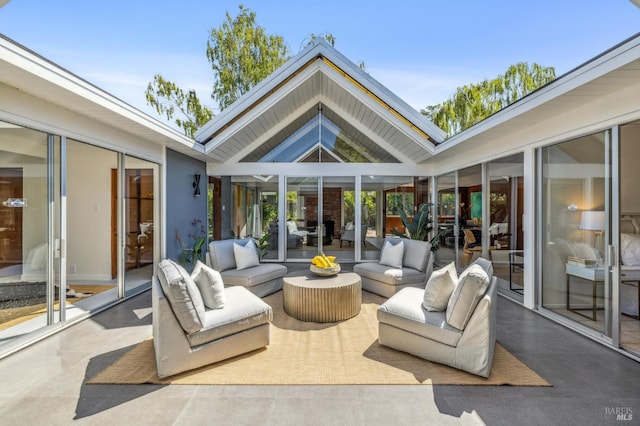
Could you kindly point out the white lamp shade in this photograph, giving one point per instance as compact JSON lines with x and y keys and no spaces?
{"x":592,"y":220}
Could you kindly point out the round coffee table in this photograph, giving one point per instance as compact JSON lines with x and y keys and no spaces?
{"x":312,"y":298}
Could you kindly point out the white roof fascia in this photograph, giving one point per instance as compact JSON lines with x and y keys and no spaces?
{"x":320,"y":47}
{"x":404,"y":109}
{"x":36,"y":65}
{"x":238,"y":125}
{"x":313,"y":169}
{"x":382,"y":112}
{"x":258,"y":91}
{"x":599,"y":66}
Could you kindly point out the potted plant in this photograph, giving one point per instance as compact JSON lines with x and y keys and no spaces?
{"x":420,"y":226}
{"x":190,"y":254}
{"x":262,"y":243}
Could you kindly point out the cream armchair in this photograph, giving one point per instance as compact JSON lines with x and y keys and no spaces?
{"x":261,"y":279}
{"x":413,"y":271}
{"x":350,"y":235}
{"x":188,"y":335}
{"x":463,"y":335}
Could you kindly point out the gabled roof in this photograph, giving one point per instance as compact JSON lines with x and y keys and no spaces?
{"x":320,"y":77}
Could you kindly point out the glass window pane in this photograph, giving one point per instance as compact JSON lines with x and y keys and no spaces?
{"x":574,"y":183}
{"x":255,"y":212}
{"x":92,"y":262}
{"x":320,"y":135}
{"x":24,"y":245}
{"x":301,"y":216}
{"x":506,"y":209}
{"x":140,"y":222}
{"x":447,"y":213}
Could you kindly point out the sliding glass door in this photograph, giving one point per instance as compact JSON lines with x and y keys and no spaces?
{"x":575,"y":231}
{"x":301,"y":217}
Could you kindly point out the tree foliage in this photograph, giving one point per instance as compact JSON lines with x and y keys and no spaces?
{"x":166,"y":97}
{"x":473,"y":103}
{"x":241,"y":55}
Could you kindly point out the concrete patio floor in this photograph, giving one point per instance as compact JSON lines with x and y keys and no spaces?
{"x":44,"y":384}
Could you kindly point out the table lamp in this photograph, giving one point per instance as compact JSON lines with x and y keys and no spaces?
{"x":593,"y":220}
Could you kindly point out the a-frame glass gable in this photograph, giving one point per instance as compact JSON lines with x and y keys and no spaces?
{"x":324,"y":137}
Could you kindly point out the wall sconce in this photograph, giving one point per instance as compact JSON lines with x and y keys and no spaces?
{"x":196,"y":185}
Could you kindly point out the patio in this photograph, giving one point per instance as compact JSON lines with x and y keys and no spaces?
{"x":45,"y":384}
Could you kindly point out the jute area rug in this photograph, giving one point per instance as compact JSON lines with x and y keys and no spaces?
{"x":346,"y":352}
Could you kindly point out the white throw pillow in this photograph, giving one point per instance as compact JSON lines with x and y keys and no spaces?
{"x":183,"y":295}
{"x":392,"y":254}
{"x":630,"y":249}
{"x":348,"y":226}
{"x":210,"y":284}
{"x":246,"y":256}
{"x":291,"y":226}
{"x":438,"y":291}
{"x":472,"y":285}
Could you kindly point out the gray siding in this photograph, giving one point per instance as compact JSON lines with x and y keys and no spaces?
{"x":183,"y":208}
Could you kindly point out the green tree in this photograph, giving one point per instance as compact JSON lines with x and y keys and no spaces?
{"x":166,"y":97}
{"x":241,"y":55}
{"x":473,"y":103}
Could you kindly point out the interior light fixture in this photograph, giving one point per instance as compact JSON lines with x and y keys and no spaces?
{"x":196,"y":185}
{"x":593,"y":220}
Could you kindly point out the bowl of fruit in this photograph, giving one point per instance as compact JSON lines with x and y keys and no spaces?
{"x":324,"y":265}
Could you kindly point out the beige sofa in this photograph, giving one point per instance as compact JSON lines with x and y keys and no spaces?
{"x":405,"y":324}
{"x":186,"y":335}
{"x":262,"y":279}
{"x":417,"y":265}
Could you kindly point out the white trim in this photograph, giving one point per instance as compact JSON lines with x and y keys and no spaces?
{"x":315,"y":169}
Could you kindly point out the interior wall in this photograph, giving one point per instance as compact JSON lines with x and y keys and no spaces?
{"x":89,"y":211}
{"x":629,"y":155}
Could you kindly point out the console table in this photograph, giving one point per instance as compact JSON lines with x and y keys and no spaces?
{"x":595,"y":275}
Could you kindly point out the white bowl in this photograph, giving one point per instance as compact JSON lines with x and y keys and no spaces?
{"x":324,"y":272}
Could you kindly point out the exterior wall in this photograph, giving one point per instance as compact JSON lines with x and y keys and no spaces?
{"x":182,"y":207}
{"x":30,"y":111}
{"x":574,"y":120}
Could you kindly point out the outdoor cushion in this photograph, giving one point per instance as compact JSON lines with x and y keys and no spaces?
{"x":402,"y":311}
{"x":438,"y":291}
{"x":392,"y":254}
{"x":472,"y":285}
{"x":183,"y":295}
{"x":243,"y":311}
{"x":486,"y":265}
{"x":416,"y":253}
{"x":255,"y":275}
{"x":246,"y":255}
{"x":221,"y":255}
{"x":209,"y":282}
{"x":388,"y":275}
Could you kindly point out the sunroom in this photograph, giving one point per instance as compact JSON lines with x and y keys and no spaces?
{"x":321,"y":151}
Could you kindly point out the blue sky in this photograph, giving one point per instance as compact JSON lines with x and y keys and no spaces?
{"x":422,"y":50}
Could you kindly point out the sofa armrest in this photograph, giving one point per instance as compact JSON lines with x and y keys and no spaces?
{"x":169,"y":340}
{"x":478,"y":340}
